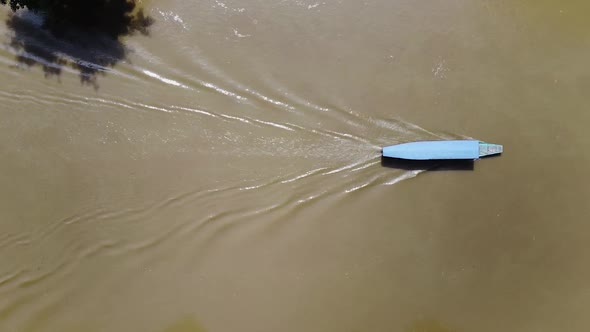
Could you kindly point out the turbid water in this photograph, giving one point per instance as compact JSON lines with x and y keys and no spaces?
{"x":224,"y":172}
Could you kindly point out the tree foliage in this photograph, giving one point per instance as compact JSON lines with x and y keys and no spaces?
{"x":111,"y":17}
{"x":80,"y":34}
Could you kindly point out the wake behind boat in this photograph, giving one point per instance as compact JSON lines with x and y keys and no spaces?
{"x":442,"y":150}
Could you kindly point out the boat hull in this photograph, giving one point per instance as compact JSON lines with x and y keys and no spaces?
{"x":442,"y":150}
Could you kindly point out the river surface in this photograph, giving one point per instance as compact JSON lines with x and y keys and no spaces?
{"x":225,"y":174}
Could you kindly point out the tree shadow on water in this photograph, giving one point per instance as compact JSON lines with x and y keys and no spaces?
{"x":88,"y":43}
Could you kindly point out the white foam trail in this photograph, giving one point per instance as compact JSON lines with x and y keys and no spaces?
{"x":352,"y":137}
{"x":273,"y":83}
{"x":155,"y":108}
{"x":343,"y":168}
{"x":89,"y":65}
{"x":222,"y":91}
{"x":274,"y":125}
{"x":306,"y":174}
{"x":146,"y":54}
{"x":361,"y":186}
{"x":106,"y":101}
{"x":234,"y":118}
{"x":389,"y":125}
{"x":45,"y":62}
{"x":309,"y":198}
{"x":163,"y":79}
{"x":413,"y":126}
{"x":365,"y":166}
{"x":252,"y":187}
{"x":356,"y":188}
{"x":194,"y":110}
{"x":404,"y":176}
{"x":270,"y":100}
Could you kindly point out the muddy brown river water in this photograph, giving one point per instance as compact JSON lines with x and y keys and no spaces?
{"x":225,"y":173}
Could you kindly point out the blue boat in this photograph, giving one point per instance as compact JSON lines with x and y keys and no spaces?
{"x":442,"y":150}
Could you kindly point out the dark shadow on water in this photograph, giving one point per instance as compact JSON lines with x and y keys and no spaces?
{"x":430,"y":165}
{"x":88,"y":49}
